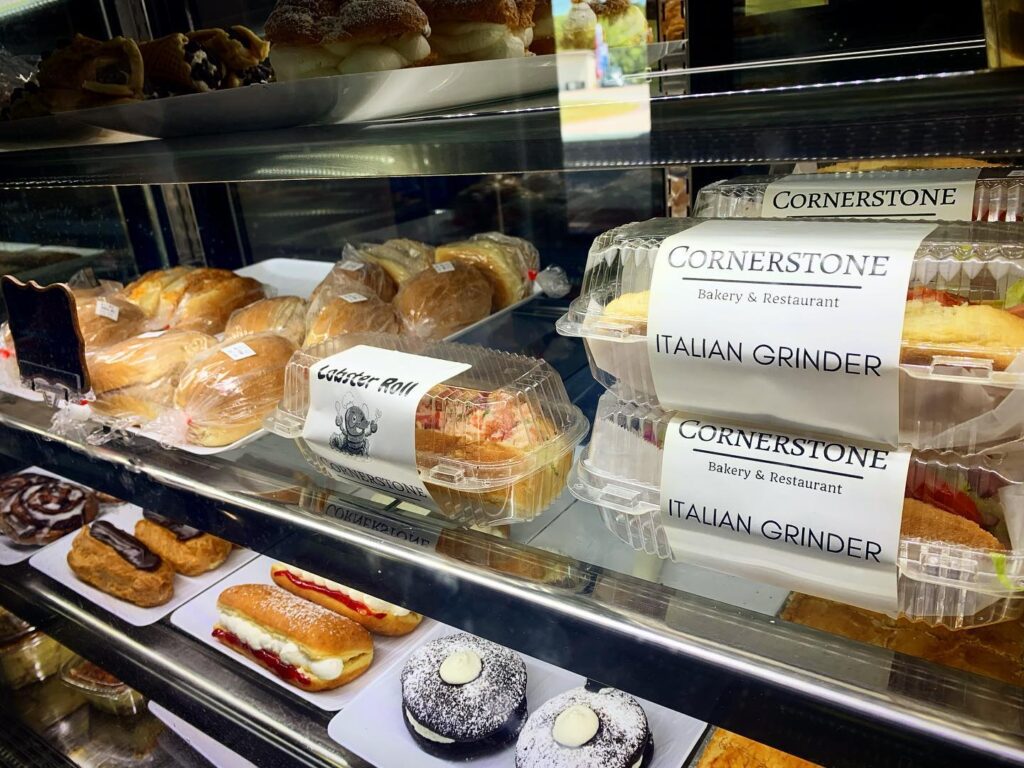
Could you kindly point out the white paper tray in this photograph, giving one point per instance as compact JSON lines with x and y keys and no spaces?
{"x":374,"y":726}
{"x":216,"y":753}
{"x":53,"y":561}
{"x":198,"y":617}
{"x":11,"y":553}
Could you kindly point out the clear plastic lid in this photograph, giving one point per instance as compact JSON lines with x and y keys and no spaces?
{"x":493,"y":443}
{"x":960,"y":373}
{"x":101,"y":688}
{"x":961,"y":557}
{"x":998,"y":193}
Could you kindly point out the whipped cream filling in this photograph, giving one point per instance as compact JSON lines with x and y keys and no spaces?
{"x":425,"y":732}
{"x":295,"y":62}
{"x":376,"y":605}
{"x":477,"y":41}
{"x":257,"y":638}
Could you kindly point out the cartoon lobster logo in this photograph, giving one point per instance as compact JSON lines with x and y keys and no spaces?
{"x":354,"y":429}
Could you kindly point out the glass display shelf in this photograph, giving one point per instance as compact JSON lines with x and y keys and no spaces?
{"x":974,"y":113}
{"x":565,"y":581}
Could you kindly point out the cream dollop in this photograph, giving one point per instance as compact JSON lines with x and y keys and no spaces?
{"x":460,"y":668}
{"x":575,"y":726}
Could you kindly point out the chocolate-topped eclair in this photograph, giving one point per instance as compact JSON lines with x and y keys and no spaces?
{"x":38,"y":509}
{"x":115,"y":562}
{"x":189,"y":550}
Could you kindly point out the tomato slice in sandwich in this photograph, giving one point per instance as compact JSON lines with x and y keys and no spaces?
{"x":945,"y":298}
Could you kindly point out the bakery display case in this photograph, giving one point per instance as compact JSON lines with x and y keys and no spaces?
{"x":557,"y":383}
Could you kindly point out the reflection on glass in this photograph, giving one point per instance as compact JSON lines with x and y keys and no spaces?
{"x":1004,"y":32}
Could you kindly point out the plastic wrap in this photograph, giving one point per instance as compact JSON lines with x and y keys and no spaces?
{"x":106,"y":320}
{"x":28,"y":656}
{"x":209,"y":299}
{"x":353,"y":269}
{"x":284,"y":315}
{"x":441,"y":301}
{"x":493,"y":444}
{"x":963,"y":393}
{"x":509,"y":263}
{"x":134,"y":381}
{"x":101,"y":689}
{"x":998,"y":196}
{"x":358,"y":310}
{"x":227,"y":391}
{"x":146,"y":291}
{"x":401,"y":259}
{"x":9,"y":375}
{"x":939,"y":582}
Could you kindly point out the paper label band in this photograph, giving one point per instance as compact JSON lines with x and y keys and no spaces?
{"x":362,"y":415}
{"x":784,"y":322}
{"x":811,"y":515}
{"x":933,"y":195}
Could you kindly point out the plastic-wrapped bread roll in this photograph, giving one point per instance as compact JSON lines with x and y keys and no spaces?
{"x":208,"y":298}
{"x":507,"y":262}
{"x":401,"y":259}
{"x":106,"y":320}
{"x":284,"y":315}
{"x":145,"y":292}
{"x":320,"y":38}
{"x":353,"y":269}
{"x":136,"y":378}
{"x":354,"y":311}
{"x":444,"y":299}
{"x":226,"y":392}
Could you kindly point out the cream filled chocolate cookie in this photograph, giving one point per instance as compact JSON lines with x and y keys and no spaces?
{"x":38,"y":509}
{"x":478,"y":30}
{"x":117,"y":563}
{"x":302,"y":643}
{"x":463,"y":696}
{"x":319,"y":38}
{"x":586,"y":728}
{"x":190,"y":551}
{"x":378,"y":616}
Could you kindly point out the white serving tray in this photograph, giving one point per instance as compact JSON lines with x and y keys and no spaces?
{"x":53,"y":561}
{"x":216,"y":753}
{"x":11,"y":553}
{"x":198,"y":617}
{"x":374,"y":726}
{"x":289,"y":277}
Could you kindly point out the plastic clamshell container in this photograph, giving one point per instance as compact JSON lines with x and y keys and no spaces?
{"x":998,"y":196}
{"x":101,"y":690}
{"x":940,"y":583}
{"x":28,"y":656}
{"x":947,"y":401}
{"x":506,"y":428}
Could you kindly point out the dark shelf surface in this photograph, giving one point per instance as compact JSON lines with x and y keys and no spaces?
{"x":975,"y":114}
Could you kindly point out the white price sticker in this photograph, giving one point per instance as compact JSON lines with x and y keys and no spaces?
{"x":810,"y":515}
{"x":239,"y":351}
{"x":795,"y":323}
{"x":444,"y":266}
{"x":351,"y":265}
{"x":930,"y":195}
{"x":152,"y":334}
{"x":353,"y":298}
{"x":105,"y":309}
{"x":362,"y":415}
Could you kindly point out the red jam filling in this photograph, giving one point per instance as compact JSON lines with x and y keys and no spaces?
{"x":341,"y":597}
{"x":268,"y":659}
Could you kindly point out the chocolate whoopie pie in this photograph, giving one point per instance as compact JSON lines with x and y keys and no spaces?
{"x":463,"y":696}
{"x":584,"y":728}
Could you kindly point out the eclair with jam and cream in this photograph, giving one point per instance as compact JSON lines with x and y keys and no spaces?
{"x":301,"y":642}
{"x":378,"y":616}
{"x":320,"y":38}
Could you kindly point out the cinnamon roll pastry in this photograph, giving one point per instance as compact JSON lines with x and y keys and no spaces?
{"x":470,"y":30}
{"x":37,"y":509}
{"x":319,"y":38}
